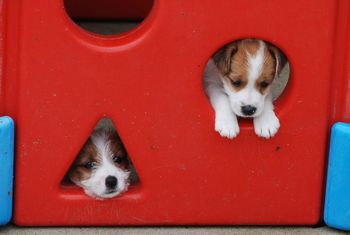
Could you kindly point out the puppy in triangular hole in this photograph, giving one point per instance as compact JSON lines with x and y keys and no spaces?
{"x":102,"y":167}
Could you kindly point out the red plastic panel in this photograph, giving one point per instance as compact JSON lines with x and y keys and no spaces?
{"x":2,"y":42}
{"x":341,"y":68}
{"x":61,"y":80}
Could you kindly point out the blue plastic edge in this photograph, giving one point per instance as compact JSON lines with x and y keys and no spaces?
{"x":337,"y":199}
{"x":6,"y":168}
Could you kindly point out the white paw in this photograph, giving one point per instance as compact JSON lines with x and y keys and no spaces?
{"x":227,"y":126}
{"x":266,"y":126}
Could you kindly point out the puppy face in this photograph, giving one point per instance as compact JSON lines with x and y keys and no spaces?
{"x":248,"y":68}
{"x":101,"y":167}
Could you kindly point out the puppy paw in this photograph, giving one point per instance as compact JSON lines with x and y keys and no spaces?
{"x":227,"y":126}
{"x":266,"y":126}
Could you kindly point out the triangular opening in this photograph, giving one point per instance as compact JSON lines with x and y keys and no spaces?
{"x":102,"y":167}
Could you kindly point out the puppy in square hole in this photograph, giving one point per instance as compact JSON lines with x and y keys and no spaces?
{"x":237,"y":81}
{"x":102,"y":168}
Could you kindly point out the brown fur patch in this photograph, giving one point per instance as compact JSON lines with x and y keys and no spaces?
{"x":238,"y":69}
{"x":268,"y":72}
{"x":78,"y":171}
{"x":250,"y":45}
{"x":118,"y":150}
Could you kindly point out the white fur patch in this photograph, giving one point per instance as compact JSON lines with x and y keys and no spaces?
{"x":255,"y":63}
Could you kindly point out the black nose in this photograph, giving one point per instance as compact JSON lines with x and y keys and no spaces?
{"x":248,"y":110}
{"x":111,"y":182}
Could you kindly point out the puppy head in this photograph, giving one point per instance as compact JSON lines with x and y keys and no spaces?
{"x":101,"y":167}
{"x":248,"y":68}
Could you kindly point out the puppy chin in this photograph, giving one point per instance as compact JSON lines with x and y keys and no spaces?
{"x":106,"y":194}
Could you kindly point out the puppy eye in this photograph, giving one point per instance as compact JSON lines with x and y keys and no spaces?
{"x":264,"y":84}
{"x":237,"y":83}
{"x":117,"y":159}
{"x":90,"y":165}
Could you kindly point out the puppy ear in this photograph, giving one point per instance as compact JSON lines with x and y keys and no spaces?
{"x":223,"y":57}
{"x":279,"y":58}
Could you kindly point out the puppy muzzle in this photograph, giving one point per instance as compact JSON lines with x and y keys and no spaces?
{"x":248,"y":110}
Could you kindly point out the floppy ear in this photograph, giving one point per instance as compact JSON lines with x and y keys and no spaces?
{"x":279,"y":58}
{"x":223,"y":57}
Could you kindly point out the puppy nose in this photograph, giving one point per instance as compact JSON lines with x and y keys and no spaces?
{"x":248,"y":110}
{"x":111,"y":182}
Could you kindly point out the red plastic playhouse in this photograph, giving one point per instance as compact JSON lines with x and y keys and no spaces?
{"x":58,"y":80}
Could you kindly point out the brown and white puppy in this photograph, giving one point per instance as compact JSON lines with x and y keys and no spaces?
{"x":237,"y":81}
{"x":102,"y":167}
